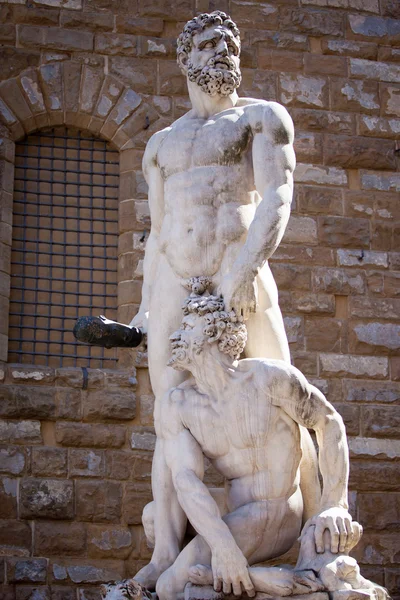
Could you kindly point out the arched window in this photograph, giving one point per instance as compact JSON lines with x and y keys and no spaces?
{"x":64,"y":247}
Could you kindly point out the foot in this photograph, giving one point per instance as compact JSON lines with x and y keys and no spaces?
{"x":201,"y":575}
{"x":148,"y":576}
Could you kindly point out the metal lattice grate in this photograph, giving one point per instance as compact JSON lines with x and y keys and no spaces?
{"x":64,"y":248}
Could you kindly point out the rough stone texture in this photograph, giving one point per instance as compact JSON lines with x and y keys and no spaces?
{"x":335,"y":65}
{"x":47,"y":498}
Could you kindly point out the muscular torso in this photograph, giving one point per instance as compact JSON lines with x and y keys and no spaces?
{"x":209,"y":191}
{"x":254,"y":444}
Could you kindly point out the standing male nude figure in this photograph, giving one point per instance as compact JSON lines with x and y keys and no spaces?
{"x":220,"y":187}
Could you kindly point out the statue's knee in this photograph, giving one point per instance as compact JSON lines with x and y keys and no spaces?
{"x":148,"y":523}
{"x":165,"y":587}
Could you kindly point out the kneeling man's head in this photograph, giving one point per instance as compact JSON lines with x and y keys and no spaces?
{"x":208,"y":53}
{"x":205,"y":323}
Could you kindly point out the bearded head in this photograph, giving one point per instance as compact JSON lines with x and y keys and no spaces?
{"x":208,"y":53}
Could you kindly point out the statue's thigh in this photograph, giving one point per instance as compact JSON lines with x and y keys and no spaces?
{"x":265,"y":328}
{"x":165,"y":315}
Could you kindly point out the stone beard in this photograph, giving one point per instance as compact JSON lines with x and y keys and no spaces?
{"x":219,"y":76}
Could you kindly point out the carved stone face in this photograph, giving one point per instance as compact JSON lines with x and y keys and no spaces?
{"x":214,"y":62}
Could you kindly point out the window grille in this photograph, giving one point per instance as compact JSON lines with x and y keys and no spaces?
{"x":64,"y":248}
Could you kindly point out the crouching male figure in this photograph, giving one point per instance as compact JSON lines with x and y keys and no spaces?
{"x":245,"y":416}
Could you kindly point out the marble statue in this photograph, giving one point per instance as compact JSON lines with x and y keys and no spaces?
{"x":244,"y":416}
{"x":220,"y":186}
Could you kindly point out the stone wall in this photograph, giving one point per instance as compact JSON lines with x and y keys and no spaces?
{"x":76,"y":445}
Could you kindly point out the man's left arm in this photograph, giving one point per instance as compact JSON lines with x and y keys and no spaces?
{"x":306,"y":405}
{"x":273,"y":165}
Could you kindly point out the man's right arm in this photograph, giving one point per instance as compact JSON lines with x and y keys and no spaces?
{"x":185,"y":458}
{"x":155,"y":182}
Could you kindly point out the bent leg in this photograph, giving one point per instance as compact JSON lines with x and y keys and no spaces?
{"x":253,"y":526}
{"x":169,"y":520}
{"x":265,"y":328}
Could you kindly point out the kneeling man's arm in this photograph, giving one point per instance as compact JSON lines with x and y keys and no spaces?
{"x":309,"y":407}
{"x":185,"y":459}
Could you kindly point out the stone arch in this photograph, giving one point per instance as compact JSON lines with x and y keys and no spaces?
{"x":84,"y":97}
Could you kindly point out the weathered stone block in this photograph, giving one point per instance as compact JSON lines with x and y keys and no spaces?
{"x":92,"y":80}
{"x":359,"y":152}
{"x":312,"y":21}
{"x":375,"y":308}
{"x":110,"y":404}
{"x":47,"y":498}
{"x":377,"y":549}
{"x":128,"y":465}
{"x":299,"y":90}
{"x":27,"y":570}
{"x":378,"y":127}
{"x":22,"y":432}
{"x":359,"y":96}
{"x":369,"y":476}
{"x":70,"y":4}
{"x":8,"y":498}
{"x":338,"y":281}
{"x":135,"y":72}
{"x":92,"y":435}
{"x":371,"y":392}
{"x":139,"y":26}
{"x":379,"y":71}
{"x":65,"y":539}
{"x":94,"y":20}
{"x":344,"y":232}
{"x":12,"y":460}
{"x":68,"y":403}
{"x":98,"y":501}
{"x":338,"y":365}
{"x":49,"y":461}
{"x":350,"y":48}
{"x":306,"y":173}
{"x":255,"y":84}
{"x":54,"y":37}
{"x":362,"y":258}
{"x":390,"y":96}
{"x":86,"y":463}
{"x":326,"y":335}
{"x":135,"y":498}
{"x":385,"y":182}
{"x":313,"y":303}
{"x":308,"y":147}
{"x":301,"y":230}
{"x":375,"y":337}
{"x":183,"y":9}
{"x":109,"y":541}
{"x":382,"y":421}
{"x":374,"y":27}
{"x":27,"y":402}
{"x":143,"y":440}
{"x":374,"y":448}
{"x":317,"y":200}
{"x":351,"y":417}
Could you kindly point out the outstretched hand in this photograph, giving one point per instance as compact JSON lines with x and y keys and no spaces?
{"x":338,"y":522}
{"x":239,"y":293}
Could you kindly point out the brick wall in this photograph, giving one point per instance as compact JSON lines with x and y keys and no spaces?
{"x":76,"y":447}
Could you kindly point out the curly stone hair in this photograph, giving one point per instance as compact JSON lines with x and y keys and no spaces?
{"x":220,"y":326}
{"x":198,"y":24}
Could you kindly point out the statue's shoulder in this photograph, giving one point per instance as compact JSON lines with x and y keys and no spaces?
{"x":268,"y":117}
{"x":154,"y":142}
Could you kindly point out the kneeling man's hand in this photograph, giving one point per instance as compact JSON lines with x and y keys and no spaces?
{"x":230,"y":572}
{"x":338,"y":522}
